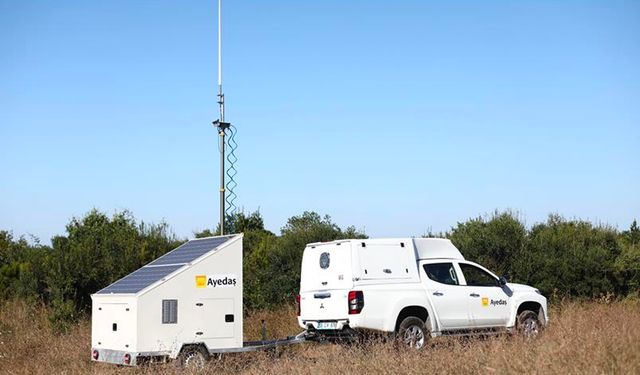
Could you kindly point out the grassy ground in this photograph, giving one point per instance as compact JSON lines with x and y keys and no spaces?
{"x":584,"y":338}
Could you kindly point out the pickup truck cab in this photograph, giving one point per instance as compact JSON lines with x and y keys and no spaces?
{"x":415,"y":288}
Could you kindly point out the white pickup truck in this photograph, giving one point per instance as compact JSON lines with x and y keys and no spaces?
{"x":414,"y":287}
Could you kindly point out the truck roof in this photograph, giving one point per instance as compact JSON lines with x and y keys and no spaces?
{"x":425,"y":248}
{"x":430,"y":248}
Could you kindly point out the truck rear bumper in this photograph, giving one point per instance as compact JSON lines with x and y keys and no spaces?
{"x":325,"y":325}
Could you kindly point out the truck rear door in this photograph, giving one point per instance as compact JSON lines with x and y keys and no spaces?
{"x":325,"y":281}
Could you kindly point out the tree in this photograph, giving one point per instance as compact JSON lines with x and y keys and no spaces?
{"x":22,"y":267}
{"x":571,"y":258}
{"x":272,"y":274}
{"x":238,"y":222}
{"x":496,"y":242}
{"x":99,"y":250}
{"x":627,"y":264}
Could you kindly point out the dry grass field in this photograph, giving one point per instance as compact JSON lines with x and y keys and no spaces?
{"x":600,"y":337}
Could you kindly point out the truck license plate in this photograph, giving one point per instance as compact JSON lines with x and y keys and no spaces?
{"x":327,"y":325}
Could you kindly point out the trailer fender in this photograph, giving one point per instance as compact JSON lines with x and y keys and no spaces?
{"x":175,"y":352}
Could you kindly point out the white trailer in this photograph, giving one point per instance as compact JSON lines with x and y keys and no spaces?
{"x":189,"y":296}
{"x":187,"y":304}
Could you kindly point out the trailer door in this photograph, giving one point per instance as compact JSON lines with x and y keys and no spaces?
{"x":215,"y":318}
{"x":113,"y":326}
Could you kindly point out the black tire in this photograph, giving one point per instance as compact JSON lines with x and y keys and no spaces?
{"x":193,"y":358}
{"x":529,"y":324}
{"x":412,"y":333}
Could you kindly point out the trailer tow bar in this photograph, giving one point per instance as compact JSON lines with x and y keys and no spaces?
{"x":251,"y":346}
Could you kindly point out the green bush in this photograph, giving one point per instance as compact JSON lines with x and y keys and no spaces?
{"x":627,"y":265}
{"x":567,"y":258}
{"x":496,"y":242}
{"x":571,"y":258}
{"x":562,"y":257}
{"x":272,"y":270}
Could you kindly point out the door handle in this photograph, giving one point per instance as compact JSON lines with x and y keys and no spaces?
{"x":438,"y":294}
{"x":474,"y":295}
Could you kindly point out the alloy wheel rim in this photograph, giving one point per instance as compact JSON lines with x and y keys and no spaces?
{"x":414,"y":337}
{"x":530,"y":327}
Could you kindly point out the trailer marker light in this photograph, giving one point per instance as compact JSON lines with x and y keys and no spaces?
{"x":127,"y":358}
{"x":298,"y":304}
{"x":95,"y":354}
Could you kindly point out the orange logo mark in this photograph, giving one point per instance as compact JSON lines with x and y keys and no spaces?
{"x":201,"y":281}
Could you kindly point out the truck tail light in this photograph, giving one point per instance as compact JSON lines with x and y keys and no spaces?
{"x":298,"y":304}
{"x":127,"y":358}
{"x":95,"y":354}
{"x":356,"y":302}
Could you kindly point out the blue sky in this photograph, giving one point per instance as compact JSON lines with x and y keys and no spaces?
{"x":396,"y":117}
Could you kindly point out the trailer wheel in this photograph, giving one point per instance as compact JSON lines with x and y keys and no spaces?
{"x":412,"y":333}
{"x":193,"y":357}
{"x":529,"y":324}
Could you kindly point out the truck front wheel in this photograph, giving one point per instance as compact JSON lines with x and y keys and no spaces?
{"x":412,"y":333}
{"x":529,"y":324}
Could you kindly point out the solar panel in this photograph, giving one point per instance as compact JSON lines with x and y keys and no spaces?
{"x":140,"y":279}
{"x":166,"y":264}
{"x":190,"y":251}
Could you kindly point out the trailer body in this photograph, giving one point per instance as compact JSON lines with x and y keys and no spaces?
{"x":189,"y":296}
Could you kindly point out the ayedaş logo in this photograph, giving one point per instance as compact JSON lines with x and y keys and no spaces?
{"x":216,"y":281}
{"x":486,"y":302}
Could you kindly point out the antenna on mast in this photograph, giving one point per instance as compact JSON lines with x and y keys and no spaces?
{"x":221,"y":124}
{"x":220,"y":94}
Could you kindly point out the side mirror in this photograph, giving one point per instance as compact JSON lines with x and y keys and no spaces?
{"x":502,"y":281}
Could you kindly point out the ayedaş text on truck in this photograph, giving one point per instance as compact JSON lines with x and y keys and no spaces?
{"x":415,"y":288}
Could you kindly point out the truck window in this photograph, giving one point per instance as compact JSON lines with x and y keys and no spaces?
{"x":477,"y":277}
{"x":443,"y":273}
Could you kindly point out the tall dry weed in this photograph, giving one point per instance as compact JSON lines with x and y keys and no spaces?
{"x":599,"y":337}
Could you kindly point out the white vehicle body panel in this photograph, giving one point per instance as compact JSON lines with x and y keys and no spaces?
{"x":211,"y":315}
{"x":485,"y":303}
{"x":450,"y":302}
{"x":392,"y":276}
{"x":118,"y":332}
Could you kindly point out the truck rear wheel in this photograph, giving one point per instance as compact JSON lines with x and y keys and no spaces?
{"x":529,"y":324}
{"x":412,"y":333}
